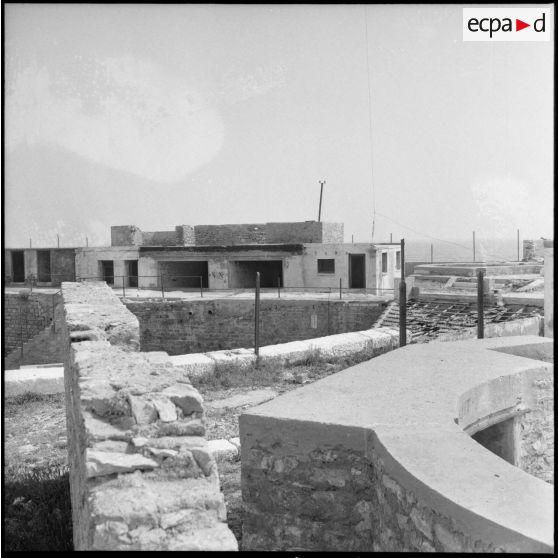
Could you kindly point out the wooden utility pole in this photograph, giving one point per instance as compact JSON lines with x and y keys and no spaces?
{"x":257,"y":319}
{"x":402,"y":300}
{"x":322,"y":182}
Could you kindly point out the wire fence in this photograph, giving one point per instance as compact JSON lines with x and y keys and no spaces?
{"x":169,"y":283}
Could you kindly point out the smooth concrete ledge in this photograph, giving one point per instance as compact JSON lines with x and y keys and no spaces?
{"x":332,"y":347}
{"x":523,"y":326}
{"x":410,"y":409}
{"x":34,"y":380}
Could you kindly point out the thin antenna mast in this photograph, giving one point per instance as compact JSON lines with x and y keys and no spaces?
{"x":370,"y":123}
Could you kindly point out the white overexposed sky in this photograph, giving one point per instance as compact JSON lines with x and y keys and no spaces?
{"x":159,"y":115}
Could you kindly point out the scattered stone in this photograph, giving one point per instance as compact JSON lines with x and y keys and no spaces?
{"x":222,"y":449}
{"x":172,"y":519}
{"x":186,"y":397}
{"x":139,"y":442}
{"x":204,"y":458}
{"x":251,"y":398}
{"x":166,"y":409}
{"x":111,"y":446}
{"x":287,"y":376}
{"x":143,"y":411}
{"x":100,"y":463}
{"x":180,"y":428}
{"x":162,"y":452}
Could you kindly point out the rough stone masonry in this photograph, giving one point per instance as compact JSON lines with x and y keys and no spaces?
{"x":141,"y":474}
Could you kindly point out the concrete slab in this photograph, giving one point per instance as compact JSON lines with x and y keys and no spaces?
{"x":252,"y":398}
{"x":34,"y":380}
{"x":53,"y":365}
{"x":236,"y":358}
{"x":527,"y":299}
{"x":194,"y":364}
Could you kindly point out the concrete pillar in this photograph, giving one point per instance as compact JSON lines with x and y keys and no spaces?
{"x":30,"y":262}
{"x":148,"y":271}
{"x":119,"y":272}
{"x":218,"y":273}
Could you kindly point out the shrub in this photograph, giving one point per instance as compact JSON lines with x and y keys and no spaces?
{"x":37,"y":510}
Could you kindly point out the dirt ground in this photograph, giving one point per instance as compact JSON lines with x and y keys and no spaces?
{"x":35,"y":432}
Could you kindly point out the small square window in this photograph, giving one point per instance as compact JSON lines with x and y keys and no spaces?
{"x":384,"y":262}
{"x":397,"y":260}
{"x":326,"y":266}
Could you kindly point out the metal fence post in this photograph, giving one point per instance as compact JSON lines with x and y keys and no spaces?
{"x":124,"y":286}
{"x":480,"y":304}
{"x":402,"y":300}
{"x":162,"y":286}
{"x":340,"y":287}
{"x":257,"y":319}
{"x":278,"y":287}
{"x":201,"y":286}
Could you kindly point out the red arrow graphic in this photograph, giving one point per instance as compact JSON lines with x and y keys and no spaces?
{"x":519,"y":25}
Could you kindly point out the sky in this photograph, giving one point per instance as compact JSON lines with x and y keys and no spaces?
{"x":159,"y":115}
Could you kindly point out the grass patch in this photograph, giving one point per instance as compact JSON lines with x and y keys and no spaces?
{"x":37,"y":510}
{"x":29,"y":397}
{"x":223,"y":377}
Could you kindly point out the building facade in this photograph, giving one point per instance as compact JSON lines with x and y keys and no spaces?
{"x":303,"y":255}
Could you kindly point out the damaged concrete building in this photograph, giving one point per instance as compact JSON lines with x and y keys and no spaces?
{"x":309,"y":254}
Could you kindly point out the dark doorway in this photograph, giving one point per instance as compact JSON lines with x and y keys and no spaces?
{"x":357,"y":273}
{"x":18,"y":266}
{"x":184,"y":275}
{"x":499,"y":439}
{"x":132,"y":272}
{"x":43,"y":266}
{"x":242,"y":274}
{"x":107,"y":271}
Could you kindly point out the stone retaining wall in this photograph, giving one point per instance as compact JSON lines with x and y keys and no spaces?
{"x":182,"y":326}
{"x":26,"y":314}
{"x":141,"y":474}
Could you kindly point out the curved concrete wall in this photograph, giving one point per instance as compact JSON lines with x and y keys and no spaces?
{"x":376,"y":457}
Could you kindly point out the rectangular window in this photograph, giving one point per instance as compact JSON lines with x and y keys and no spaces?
{"x":384,"y":262}
{"x":397,"y":260}
{"x":326,"y":266}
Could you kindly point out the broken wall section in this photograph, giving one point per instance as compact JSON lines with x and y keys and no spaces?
{"x":141,"y":474}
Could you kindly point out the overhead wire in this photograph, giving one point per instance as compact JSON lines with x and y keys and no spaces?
{"x":370,"y":121}
{"x":496,"y":256}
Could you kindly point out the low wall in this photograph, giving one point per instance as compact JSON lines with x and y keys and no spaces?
{"x":141,"y":474}
{"x":334,"y":348}
{"x":181,"y":326}
{"x":25,"y":315}
{"x":521,"y":326}
{"x":377,"y":457}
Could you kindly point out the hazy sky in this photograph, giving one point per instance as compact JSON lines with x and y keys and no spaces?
{"x":158,"y":115}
